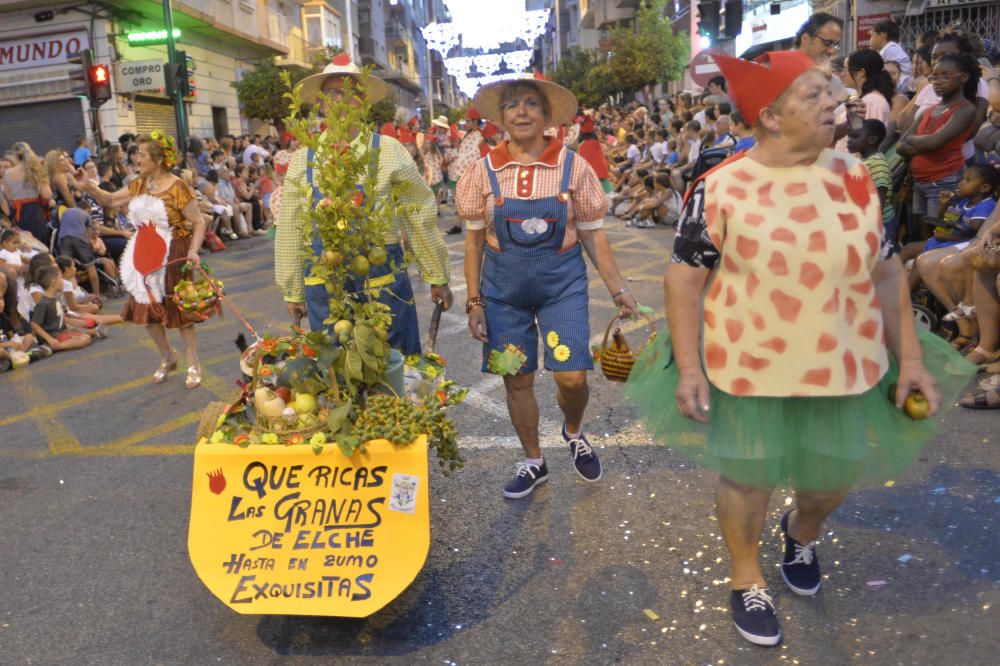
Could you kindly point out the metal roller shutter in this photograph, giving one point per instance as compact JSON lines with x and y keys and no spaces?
{"x":152,"y":114}
{"x":44,"y":125}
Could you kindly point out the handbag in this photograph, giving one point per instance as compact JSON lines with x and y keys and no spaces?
{"x":615,"y":356}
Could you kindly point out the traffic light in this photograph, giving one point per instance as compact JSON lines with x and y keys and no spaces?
{"x":733,"y":25}
{"x":99,"y":84}
{"x":80,"y":77}
{"x":708,"y":19}
{"x":179,"y":76}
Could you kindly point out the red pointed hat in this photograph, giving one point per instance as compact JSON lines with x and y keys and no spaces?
{"x":587,"y":125}
{"x":490,"y":130}
{"x":755,"y":85}
{"x":388,"y":129}
{"x":472,"y":114}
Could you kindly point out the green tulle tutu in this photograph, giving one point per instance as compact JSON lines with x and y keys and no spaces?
{"x":822,"y":443}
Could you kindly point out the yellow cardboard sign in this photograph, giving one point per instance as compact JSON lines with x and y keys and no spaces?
{"x":280,"y":530}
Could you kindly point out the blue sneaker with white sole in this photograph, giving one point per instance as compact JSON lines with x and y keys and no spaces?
{"x":800,"y":566}
{"x":584,"y":459}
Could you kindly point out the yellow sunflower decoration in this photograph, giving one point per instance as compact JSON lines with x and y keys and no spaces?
{"x":561,"y":353}
{"x":552,"y":339}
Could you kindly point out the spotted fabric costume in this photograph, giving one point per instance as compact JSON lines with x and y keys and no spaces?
{"x":794,"y":343}
{"x":533,"y":272}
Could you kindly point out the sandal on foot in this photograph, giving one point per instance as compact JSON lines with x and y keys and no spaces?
{"x":960,"y":341}
{"x":983,"y":400}
{"x":986,"y":357}
{"x":161,"y":373}
{"x":961,"y":311}
{"x":193,"y":377}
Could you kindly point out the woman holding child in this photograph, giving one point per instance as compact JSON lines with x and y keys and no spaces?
{"x":809,"y":347}
{"x":156,"y":157}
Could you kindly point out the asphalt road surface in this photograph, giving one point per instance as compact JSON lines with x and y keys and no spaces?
{"x":95,"y":483}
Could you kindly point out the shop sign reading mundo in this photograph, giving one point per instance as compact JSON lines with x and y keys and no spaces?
{"x":41,"y":50}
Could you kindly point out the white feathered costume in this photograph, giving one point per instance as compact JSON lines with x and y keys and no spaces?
{"x":143,"y":272}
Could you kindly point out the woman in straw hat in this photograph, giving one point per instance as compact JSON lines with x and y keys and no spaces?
{"x":808,"y":344}
{"x":395,"y":168}
{"x":529,"y":205}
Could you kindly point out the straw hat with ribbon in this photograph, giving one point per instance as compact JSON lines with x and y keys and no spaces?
{"x":441,"y":121}
{"x":562,"y":102}
{"x":342,"y":66}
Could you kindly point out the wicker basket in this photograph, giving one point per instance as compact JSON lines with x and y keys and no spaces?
{"x":209,"y":422}
{"x":616,"y":359}
{"x":202,"y":309}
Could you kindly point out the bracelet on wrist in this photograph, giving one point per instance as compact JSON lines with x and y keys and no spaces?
{"x":474,"y":301}
{"x":623,"y":290}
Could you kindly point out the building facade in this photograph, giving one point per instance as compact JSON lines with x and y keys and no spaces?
{"x":222,"y":38}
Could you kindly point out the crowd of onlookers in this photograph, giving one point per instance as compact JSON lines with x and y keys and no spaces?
{"x":924,"y":117}
{"x":59,"y":248}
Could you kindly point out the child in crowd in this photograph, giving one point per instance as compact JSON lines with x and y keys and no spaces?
{"x":12,"y":252}
{"x":16,"y":337}
{"x":966,"y":209}
{"x":36,"y":290}
{"x":265,"y":185}
{"x":934,"y":142}
{"x":78,"y":303}
{"x":672,"y":156}
{"x":47,"y":319}
{"x":865,"y":142}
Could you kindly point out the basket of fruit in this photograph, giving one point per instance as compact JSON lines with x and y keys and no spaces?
{"x":288,"y":389}
{"x":197,"y":296}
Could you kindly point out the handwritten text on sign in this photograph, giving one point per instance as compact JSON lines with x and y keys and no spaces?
{"x":280,"y":530}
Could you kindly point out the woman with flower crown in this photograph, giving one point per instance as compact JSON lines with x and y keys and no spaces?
{"x":156,"y":157}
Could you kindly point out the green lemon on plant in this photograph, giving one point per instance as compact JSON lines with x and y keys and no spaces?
{"x":332,"y":258}
{"x":377,"y":256}
{"x":343,"y":327}
{"x":381,"y":334}
{"x":360,"y":266}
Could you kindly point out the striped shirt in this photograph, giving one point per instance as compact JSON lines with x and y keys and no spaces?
{"x":882,"y":177}
{"x":542,"y":178}
{"x":395,"y":168}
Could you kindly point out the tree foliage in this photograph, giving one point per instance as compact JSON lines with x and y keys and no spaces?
{"x":641,"y":56}
{"x":261,"y":91}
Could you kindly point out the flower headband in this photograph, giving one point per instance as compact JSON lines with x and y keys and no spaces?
{"x":168,"y":146}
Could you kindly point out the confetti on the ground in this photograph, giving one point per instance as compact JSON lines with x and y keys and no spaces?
{"x":651,"y":615}
{"x":890,"y":484}
{"x":904,"y":558}
{"x":940,"y":490}
{"x":876,"y":583}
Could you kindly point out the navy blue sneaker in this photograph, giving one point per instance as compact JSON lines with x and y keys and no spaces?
{"x":753,"y":615}
{"x":525,"y":479}
{"x":800,"y":567}
{"x":584,"y":459}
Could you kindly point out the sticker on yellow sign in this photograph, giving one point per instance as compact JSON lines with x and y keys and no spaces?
{"x":279,"y":530}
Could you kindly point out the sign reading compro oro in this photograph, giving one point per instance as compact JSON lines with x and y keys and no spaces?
{"x":280,"y":530}
{"x":139,"y":75}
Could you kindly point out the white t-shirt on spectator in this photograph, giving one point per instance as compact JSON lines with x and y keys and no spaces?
{"x":876,"y":107}
{"x":12,"y":258}
{"x":893,"y":52}
{"x":927,"y":98}
{"x":249,"y":151}
{"x":658,"y":151}
{"x":633,"y":154}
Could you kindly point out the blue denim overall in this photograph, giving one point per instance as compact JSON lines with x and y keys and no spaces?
{"x":397,"y":293}
{"x":532,"y":277}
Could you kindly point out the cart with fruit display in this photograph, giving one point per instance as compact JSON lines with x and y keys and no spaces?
{"x":310,"y":490}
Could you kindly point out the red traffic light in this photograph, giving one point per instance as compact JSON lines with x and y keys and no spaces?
{"x":99,"y":74}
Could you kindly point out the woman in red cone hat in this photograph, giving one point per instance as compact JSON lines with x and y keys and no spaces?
{"x":793,"y":366}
